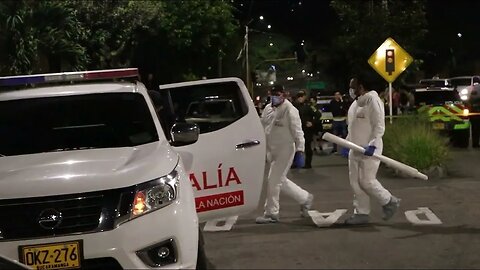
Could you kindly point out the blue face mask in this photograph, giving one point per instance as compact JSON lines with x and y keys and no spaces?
{"x":277,"y":100}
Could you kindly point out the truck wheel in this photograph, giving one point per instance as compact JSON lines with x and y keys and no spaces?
{"x":461,"y":138}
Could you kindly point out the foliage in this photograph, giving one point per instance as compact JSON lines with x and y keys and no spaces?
{"x":364,"y":25}
{"x":112,"y":28}
{"x":262,"y":55}
{"x":172,"y":38}
{"x":192,"y":36}
{"x":412,"y":140}
{"x":33,"y":27}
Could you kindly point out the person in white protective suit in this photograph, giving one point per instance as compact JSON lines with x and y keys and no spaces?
{"x":366,"y":125}
{"x":283,"y":129}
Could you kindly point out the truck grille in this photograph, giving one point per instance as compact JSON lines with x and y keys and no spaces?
{"x":58,"y":215}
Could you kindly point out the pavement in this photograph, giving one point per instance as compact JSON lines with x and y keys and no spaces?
{"x":296,"y":243}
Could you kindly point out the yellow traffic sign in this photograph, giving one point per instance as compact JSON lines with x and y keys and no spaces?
{"x":390,"y":60}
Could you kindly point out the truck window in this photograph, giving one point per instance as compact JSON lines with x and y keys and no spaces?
{"x":78,"y":122}
{"x":435,"y":97}
{"x":210,"y":106}
{"x":476,"y":80}
{"x":436,"y":83}
{"x":462,"y":81}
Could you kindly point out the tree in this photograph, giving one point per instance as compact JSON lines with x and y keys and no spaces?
{"x":272,"y":57}
{"x":171,"y":39}
{"x":174,"y":40}
{"x":364,"y":25}
{"x":113,"y":28}
{"x":265,"y":47}
{"x":32,"y":29}
{"x":193,"y":35}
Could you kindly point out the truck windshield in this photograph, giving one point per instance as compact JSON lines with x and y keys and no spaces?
{"x":462,"y":81}
{"x":211,"y":107}
{"x":433,"y":97}
{"x":435,"y":83}
{"x":77,"y":122}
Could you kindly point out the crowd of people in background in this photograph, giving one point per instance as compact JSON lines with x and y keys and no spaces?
{"x":402,"y":101}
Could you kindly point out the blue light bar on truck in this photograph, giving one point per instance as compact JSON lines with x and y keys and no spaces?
{"x":69,"y":76}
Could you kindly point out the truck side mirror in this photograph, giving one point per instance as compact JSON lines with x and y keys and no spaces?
{"x":184,"y":134}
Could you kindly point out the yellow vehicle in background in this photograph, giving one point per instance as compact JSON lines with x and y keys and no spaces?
{"x":447,"y":112}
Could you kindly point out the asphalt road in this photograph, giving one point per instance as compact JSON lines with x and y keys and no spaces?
{"x":296,"y":243}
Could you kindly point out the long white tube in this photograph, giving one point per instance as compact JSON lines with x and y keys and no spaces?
{"x":391,"y":162}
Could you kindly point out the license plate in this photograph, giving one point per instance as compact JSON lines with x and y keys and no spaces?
{"x":438,"y":125}
{"x":64,"y":255}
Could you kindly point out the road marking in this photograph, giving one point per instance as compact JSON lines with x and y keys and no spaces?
{"x":432,"y":219}
{"x":213,"y":225}
{"x":326,"y":219}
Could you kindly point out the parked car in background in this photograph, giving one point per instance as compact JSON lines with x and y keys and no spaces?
{"x":323,"y":104}
{"x":467,"y":86}
{"x":447,"y":112}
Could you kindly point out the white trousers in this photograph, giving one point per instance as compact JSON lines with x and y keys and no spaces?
{"x":281,"y":157}
{"x":363,"y":180}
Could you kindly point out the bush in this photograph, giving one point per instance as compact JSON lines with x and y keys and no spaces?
{"x":411,"y":140}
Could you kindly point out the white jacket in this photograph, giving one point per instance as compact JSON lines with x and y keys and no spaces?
{"x":282,"y":125}
{"x":366,"y":122}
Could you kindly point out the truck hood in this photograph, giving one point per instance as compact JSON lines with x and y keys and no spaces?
{"x":80,"y":171}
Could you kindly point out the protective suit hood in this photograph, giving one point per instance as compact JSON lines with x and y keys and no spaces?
{"x":366,"y":98}
{"x":283,"y":126}
{"x":366,"y":122}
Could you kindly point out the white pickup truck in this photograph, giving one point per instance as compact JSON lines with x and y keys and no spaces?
{"x":89,"y":179}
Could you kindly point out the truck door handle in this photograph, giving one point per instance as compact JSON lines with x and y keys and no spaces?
{"x":247,"y":144}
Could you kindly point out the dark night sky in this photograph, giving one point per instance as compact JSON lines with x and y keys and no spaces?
{"x":311,"y":18}
{"x":301,"y":19}
{"x":314,"y":20}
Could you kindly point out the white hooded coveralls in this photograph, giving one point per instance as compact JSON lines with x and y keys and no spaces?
{"x":283,"y":130}
{"x":366,"y":125}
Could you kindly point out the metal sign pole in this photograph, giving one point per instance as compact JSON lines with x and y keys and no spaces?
{"x":390,"y":60}
{"x":390,"y":94}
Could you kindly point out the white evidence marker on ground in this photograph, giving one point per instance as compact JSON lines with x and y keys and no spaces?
{"x":212,"y":225}
{"x":326,"y":219}
{"x":432,"y":219}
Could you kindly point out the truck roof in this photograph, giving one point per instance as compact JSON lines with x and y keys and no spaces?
{"x":68,"y":83}
{"x":69,"y":90}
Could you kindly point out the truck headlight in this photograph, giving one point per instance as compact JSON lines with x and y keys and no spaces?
{"x":154,"y":195}
{"x":147,"y":197}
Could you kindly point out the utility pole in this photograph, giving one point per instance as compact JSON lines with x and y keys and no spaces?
{"x":247,"y":65}
{"x":220,"y":63}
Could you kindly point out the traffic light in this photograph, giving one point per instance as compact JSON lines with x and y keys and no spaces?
{"x":390,"y":61}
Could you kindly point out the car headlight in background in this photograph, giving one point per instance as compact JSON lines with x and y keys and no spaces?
{"x":464,"y":91}
{"x":463,"y":98}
